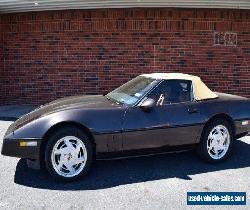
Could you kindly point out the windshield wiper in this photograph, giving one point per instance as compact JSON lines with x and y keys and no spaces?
{"x":113,"y":100}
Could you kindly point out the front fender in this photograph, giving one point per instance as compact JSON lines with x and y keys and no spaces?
{"x":98,"y":121}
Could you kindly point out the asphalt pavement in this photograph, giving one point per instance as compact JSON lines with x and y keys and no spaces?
{"x":159,"y":182}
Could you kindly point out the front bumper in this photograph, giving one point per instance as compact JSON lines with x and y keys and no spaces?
{"x":11,"y":147}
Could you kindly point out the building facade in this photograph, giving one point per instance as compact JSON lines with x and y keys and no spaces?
{"x":51,"y":54}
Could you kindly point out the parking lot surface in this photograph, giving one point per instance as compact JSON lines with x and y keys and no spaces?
{"x":159,"y":182}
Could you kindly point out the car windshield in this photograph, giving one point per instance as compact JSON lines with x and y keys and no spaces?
{"x":132,"y":91}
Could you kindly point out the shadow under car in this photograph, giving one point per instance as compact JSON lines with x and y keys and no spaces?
{"x":107,"y":174}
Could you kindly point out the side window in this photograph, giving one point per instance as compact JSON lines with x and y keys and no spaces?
{"x":172,"y":91}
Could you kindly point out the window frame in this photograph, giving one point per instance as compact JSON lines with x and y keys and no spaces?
{"x":192,"y":99}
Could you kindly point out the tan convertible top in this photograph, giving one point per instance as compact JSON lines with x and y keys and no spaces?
{"x":200,"y":90}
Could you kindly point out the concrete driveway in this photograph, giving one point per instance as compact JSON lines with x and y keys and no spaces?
{"x":159,"y":182}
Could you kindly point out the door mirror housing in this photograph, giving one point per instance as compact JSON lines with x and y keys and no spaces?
{"x":147,"y":104}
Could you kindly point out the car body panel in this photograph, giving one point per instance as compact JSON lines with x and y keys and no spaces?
{"x":168,"y":125}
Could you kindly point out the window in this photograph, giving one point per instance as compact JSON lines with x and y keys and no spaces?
{"x":172,"y":91}
{"x":132,"y":91}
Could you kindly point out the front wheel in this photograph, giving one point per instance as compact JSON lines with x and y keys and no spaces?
{"x":68,"y":154}
{"x":216,"y":141}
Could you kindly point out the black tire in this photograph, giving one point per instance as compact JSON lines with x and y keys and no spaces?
{"x":202,"y":150}
{"x":56,"y":136}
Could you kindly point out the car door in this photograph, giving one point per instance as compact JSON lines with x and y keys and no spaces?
{"x":174,"y":120}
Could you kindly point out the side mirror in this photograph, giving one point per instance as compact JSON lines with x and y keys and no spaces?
{"x":147,"y":104}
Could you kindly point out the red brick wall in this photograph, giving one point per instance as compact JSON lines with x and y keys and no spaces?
{"x":54,"y":54}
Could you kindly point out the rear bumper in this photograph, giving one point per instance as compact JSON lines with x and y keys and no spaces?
{"x":241,"y":129}
{"x":11,"y":147}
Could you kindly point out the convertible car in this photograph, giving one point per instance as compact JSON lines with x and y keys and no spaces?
{"x":151,"y":114}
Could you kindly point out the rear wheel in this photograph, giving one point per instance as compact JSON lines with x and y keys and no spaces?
{"x":216,"y":141}
{"x":68,"y":154}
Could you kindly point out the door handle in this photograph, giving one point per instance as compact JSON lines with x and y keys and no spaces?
{"x":192,"y":110}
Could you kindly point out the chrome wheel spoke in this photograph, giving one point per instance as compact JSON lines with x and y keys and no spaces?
{"x":70,"y":167}
{"x":216,"y":151}
{"x":216,"y":154}
{"x":59,"y":151}
{"x":225,"y":137}
{"x":77,"y":149}
{"x":210,"y":148}
{"x":223,"y":147}
{"x":60,"y":164}
{"x":79,"y":160}
{"x":68,"y":144}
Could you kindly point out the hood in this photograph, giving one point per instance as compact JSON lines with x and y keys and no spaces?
{"x":87,"y":101}
{"x":74,"y":102}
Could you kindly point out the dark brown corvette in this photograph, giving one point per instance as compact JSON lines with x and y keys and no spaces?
{"x":153,"y":113}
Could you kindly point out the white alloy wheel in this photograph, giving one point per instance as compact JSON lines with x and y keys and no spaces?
{"x":69,"y":156}
{"x":218,"y":142}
